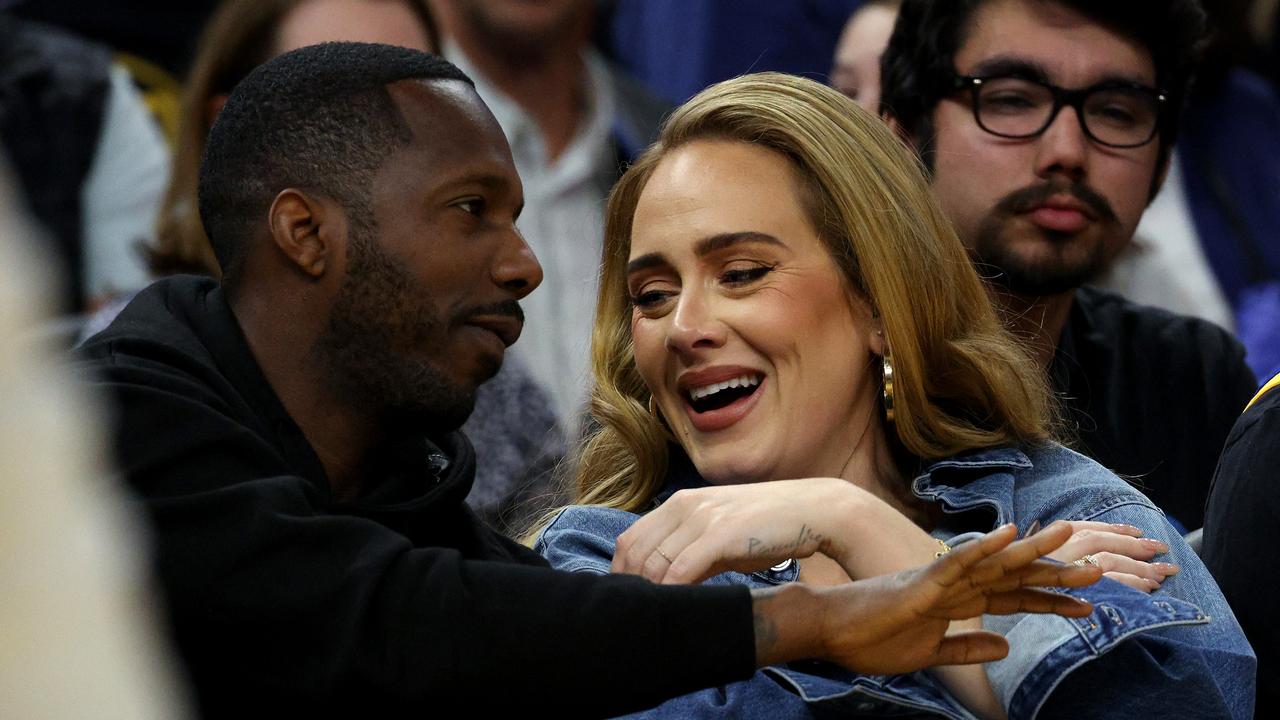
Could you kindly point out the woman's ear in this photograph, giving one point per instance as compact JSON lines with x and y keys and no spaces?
{"x":300,"y":229}
{"x":877,"y":342}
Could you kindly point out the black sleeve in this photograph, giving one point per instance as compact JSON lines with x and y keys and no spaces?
{"x":275,"y":602}
{"x":1241,"y":531}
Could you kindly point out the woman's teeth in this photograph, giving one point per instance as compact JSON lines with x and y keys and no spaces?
{"x":713,"y":388}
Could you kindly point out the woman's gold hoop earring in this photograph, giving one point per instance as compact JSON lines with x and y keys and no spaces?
{"x":887,"y":387}
{"x":655,"y":412}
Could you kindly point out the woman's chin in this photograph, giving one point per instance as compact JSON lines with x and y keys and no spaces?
{"x":730,"y":471}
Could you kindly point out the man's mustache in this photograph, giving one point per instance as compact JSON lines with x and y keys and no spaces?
{"x":1029,"y":198}
{"x":510,"y":308}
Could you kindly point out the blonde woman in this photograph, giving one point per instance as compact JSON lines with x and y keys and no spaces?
{"x":781,"y":298}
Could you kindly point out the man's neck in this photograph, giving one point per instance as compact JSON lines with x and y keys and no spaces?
{"x":551,"y":87}
{"x":1037,"y":321}
{"x":340,"y":435}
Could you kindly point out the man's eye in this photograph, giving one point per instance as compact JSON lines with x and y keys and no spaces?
{"x":472,"y":205}
{"x":1008,"y":102}
{"x":743,"y":276}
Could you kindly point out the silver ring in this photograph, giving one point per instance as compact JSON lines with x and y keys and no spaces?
{"x":664,"y":555}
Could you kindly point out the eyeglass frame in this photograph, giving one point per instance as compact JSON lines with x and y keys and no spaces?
{"x":1062,"y":97}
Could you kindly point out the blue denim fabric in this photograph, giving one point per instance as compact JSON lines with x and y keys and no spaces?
{"x":1178,"y":651}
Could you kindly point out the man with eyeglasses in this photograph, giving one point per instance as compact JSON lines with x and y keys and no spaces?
{"x":1047,"y":126}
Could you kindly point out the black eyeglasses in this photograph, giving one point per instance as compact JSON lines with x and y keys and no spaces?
{"x":1115,"y":114}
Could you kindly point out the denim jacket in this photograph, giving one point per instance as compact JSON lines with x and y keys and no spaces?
{"x":1177,"y":652}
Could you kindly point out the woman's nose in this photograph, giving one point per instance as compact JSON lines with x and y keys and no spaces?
{"x":695,"y":325}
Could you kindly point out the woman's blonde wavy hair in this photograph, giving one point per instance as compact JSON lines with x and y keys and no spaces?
{"x":960,"y":380}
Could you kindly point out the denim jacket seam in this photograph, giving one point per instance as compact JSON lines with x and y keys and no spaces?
{"x":870,"y":687}
{"x":1096,"y":651}
{"x":1102,"y":506}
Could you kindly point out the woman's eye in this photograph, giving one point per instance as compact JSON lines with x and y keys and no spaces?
{"x":743,"y":276}
{"x":649,"y":299}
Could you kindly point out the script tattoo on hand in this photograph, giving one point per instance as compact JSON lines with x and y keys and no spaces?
{"x":757,"y":547}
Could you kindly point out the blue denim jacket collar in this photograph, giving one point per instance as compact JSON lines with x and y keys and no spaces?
{"x":974,"y":479}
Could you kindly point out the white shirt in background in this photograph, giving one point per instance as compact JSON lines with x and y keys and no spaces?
{"x":563,"y":223}
{"x":1164,"y":264}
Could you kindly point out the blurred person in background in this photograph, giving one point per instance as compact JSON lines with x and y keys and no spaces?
{"x":78,"y":621}
{"x":1047,"y":127}
{"x":679,"y":47}
{"x":517,"y":440}
{"x":856,"y":70}
{"x":573,"y":120}
{"x":86,"y":155}
{"x":1209,"y":244}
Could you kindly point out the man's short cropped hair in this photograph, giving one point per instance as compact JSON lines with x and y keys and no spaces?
{"x":918,"y":68}
{"x":320,"y":119}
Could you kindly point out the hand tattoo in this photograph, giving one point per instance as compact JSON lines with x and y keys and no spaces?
{"x":757,"y":548}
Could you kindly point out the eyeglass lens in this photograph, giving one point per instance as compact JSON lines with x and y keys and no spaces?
{"x":1018,"y":108}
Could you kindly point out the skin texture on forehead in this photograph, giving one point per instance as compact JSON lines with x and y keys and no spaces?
{"x":996,"y":26}
{"x":390,"y":22}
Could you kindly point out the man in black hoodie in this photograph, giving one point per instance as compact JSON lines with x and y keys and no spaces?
{"x":291,"y":432}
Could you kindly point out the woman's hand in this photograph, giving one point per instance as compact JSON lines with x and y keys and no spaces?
{"x":705,"y":531}
{"x":1120,"y":550}
{"x":702,"y":532}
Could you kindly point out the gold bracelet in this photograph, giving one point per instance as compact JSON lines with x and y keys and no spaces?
{"x":945,"y":548}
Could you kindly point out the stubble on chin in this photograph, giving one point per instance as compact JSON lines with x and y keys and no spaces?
{"x":1031,"y":261}
{"x":377,"y":320}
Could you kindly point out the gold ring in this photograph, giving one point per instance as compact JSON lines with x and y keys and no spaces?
{"x":664,"y":556}
{"x":1087,"y":560}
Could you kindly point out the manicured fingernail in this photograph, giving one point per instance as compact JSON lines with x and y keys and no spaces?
{"x":1152,"y":583}
{"x":1155,"y":545}
{"x":1033,"y":528}
{"x":1125,"y":528}
{"x":1166,"y":568}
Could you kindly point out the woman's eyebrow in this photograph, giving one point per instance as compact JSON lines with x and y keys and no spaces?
{"x":644,"y":262}
{"x":713,"y":243}
{"x":705,"y":246}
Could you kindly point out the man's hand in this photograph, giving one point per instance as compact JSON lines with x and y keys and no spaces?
{"x":898,"y":623}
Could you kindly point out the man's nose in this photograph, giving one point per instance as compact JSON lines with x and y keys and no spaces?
{"x":1063,"y":148}
{"x":515,"y":268}
{"x":694,"y":324}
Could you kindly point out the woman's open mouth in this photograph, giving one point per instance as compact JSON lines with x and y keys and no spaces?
{"x":718,"y":405}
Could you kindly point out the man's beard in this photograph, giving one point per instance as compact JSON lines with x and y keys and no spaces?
{"x":1000,"y":261}
{"x":380,"y":315}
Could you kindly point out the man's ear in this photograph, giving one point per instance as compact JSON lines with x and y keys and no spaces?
{"x":301,"y":228}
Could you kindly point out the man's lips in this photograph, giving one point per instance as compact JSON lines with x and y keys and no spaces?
{"x":1062,"y":214}
{"x":506,"y":327}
